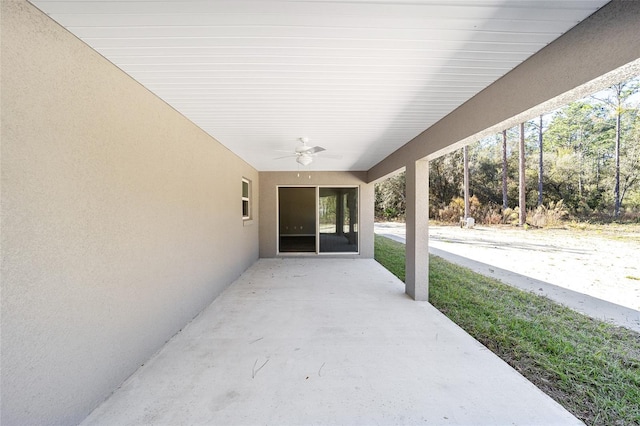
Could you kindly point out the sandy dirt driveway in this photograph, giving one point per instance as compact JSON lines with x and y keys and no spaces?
{"x":603,"y":266}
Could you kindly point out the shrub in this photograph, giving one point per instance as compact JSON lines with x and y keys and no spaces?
{"x":453,"y":212}
{"x":489,"y":215}
{"x":511,"y":216}
{"x":548,"y":216}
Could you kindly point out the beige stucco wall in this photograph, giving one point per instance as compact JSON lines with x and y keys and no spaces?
{"x":121,"y":220}
{"x":269,"y":181}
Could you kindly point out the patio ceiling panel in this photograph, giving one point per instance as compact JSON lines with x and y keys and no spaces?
{"x":360,"y":78}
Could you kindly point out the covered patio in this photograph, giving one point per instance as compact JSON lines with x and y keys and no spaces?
{"x":143,"y":147}
{"x":325,"y":341}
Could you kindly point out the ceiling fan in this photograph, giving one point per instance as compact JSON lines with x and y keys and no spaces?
{"x":304,"y":153}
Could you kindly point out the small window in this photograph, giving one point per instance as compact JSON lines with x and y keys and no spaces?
{"x":246,"y":199}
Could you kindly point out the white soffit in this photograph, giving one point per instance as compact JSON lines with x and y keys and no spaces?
{"x":360,"y":78}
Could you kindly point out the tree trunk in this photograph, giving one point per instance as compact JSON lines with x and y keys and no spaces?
{"x":616,"y":190}
{"x":580,"y":164}
{"x":617,"y":106}
{"x":504,"y":170}
{"x":521,"y":187}
{"x":540,"y":163}
{"x":465,"y":155}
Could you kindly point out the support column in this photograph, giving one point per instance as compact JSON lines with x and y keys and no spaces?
{"x":417,"y":218}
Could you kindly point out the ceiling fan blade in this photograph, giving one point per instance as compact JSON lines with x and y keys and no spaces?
{"x":314,"y":150}
{"x":286,"y":156}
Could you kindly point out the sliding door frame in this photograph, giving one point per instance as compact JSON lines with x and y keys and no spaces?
{"x":317,"y":213}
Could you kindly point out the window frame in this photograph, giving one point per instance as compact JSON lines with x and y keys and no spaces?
{"x":246,"y":199}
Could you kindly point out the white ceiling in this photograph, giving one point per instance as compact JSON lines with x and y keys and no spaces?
{"x":358,"y":77}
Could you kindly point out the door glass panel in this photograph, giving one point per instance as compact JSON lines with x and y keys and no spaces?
{"x":338,"y":220}
{"x":245,"y":189}
{"x":297,"y":219}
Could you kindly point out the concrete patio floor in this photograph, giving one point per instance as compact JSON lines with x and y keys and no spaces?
{"x":321,"y":341}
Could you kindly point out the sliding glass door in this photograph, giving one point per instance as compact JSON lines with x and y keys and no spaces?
{"x":317,"y":219}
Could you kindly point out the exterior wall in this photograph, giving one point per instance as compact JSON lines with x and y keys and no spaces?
{"x":121,"y":220}
{"x":605,"y":41}
{"x":269,"y":181}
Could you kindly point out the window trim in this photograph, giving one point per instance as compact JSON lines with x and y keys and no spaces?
{"x":246,"y":199}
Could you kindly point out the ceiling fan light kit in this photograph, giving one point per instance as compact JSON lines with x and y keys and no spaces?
{"x":304,"y":159}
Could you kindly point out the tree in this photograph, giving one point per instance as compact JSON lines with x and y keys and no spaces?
{"x":504,"y":170}
{"x":540,"y":159}
{"x":522,"y":200}
{"x":578,"y":146}
{"x":445,"y":179}
{"x":465,"y":152}
{"x":616,"y":100}
{"x":390,"y":197}
{"x":630,"y":159}
{"x":485,"y":160}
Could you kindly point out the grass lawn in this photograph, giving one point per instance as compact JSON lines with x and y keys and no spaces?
{"x":590,"y":367}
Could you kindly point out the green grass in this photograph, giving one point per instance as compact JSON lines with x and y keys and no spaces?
{"x":590,"y":367}
{"x":391,"y":255}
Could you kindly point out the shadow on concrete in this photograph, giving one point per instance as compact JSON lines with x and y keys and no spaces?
{"x":479,"y":242}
